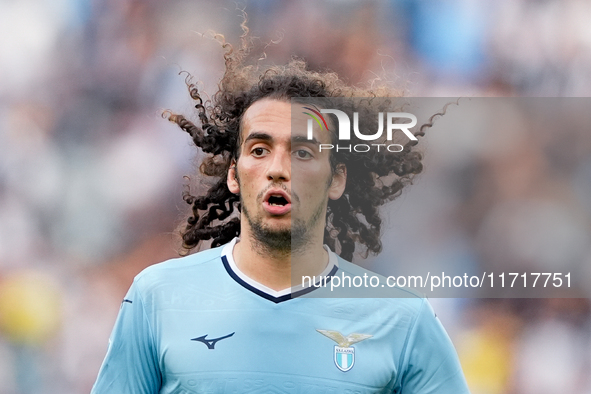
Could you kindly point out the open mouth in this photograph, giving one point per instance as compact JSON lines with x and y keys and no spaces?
{"x":277,"y":200}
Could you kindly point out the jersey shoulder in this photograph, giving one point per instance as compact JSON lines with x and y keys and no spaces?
{"x":179,"y":270}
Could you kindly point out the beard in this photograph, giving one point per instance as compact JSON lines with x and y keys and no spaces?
{"x":284,"y":240}
{"x":281,"y":241}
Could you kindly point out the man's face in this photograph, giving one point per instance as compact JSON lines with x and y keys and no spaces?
{"x":283,"y":181}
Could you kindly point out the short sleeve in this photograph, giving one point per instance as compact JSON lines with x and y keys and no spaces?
{"x":430,"y":363}
{"x":131,"y":363}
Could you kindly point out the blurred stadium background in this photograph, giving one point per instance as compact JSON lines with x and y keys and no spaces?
{"x":91,"y":175}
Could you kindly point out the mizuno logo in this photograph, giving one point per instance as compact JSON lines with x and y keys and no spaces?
{"x":210,"y":343}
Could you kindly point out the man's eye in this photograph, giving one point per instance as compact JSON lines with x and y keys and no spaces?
{"x":303,"y":154}
{"x":257,"y":152}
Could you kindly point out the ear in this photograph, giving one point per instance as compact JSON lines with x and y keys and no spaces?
{"x":339,"y":181}
{"x":232,"y":180}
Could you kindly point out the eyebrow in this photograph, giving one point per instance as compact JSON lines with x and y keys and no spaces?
{"x":301,"y":139}
{"x":262,"y":136}
{"x":258,"y":135}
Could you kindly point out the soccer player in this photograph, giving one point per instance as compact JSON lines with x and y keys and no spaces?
{"x":236,"y":318}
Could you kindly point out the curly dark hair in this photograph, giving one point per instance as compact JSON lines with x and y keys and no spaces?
{"x":372,"y":178}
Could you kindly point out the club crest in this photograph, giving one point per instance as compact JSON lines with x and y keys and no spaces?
{"x":344,"y":353}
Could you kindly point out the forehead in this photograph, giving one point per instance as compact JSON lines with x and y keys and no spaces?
{"x":267,"y":111}
{"x":279,"y":118}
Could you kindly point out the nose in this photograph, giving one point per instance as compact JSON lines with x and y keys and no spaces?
{"x":280,"y":167}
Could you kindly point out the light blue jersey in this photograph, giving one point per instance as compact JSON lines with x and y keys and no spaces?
{"x":198,"y":325}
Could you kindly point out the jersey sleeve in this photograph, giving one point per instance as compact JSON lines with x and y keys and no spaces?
{"x":131,"y":364}
{"x":430,"y":362}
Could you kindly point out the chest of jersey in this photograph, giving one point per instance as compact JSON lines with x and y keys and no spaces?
{"x":249,"y":345}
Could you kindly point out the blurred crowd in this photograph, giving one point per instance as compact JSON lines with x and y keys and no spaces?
{"x":91,"y":175}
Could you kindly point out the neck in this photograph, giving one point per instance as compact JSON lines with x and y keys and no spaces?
{"x":279,"y":269}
